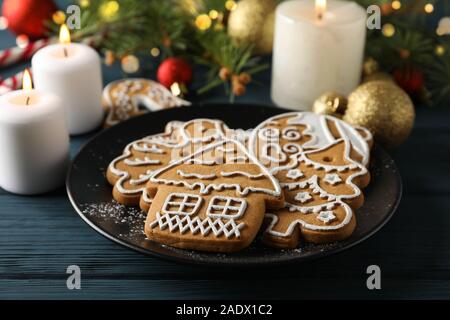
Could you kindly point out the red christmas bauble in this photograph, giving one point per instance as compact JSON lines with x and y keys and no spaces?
{"x":409,"y":79}
{"x":174,"y":70}
{"x":28,"y":16}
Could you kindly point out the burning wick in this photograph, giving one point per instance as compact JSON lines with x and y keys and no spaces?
{"x":27,"y":84}
{"x":64,"y":38}
{"x":321,"y":6}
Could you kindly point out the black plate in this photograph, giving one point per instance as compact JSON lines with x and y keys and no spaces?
{"x":91,"y":197}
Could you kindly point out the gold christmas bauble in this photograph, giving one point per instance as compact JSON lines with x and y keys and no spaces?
{"x":383,"y":108}
{"x":370,"y":66}
{"x":330,"y":103}
{"x":252,"y":22}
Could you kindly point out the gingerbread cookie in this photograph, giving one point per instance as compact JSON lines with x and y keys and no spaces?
{"x":192,"y":136}
{"x":122,"y":99}
{"x":320,"y":164}
{"x":366,"y":134}
{"x":212,"y":200}
{"x":130,"y":172}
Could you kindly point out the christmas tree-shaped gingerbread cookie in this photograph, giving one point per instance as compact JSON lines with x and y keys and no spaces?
{"x":130,"y":172}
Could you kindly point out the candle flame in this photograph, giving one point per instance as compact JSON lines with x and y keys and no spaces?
{"x":64,"y":34}
{"x":27,"y":83}
{"x":321,"y":7}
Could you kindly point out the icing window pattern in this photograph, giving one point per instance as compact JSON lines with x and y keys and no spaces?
{"x":226,"y":207}
{"x":182,"y":204}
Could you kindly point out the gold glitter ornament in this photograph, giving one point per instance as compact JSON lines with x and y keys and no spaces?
{"x":383,"y":108}
{"x":330,"y":103}
{"x":252,"y":22}
{"x":370,"y":66}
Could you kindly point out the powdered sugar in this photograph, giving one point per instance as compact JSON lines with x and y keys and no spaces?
{"x":130,"y":218}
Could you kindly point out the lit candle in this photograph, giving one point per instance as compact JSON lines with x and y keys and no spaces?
{"x":318,"y":47}
{"x":73,"y":72}
{"x":34,"y":140}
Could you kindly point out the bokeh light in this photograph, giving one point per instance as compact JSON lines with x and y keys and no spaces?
{"x":429,"y":8}
{"x":388,"y":30}
{"x":230,"y":5}
{"x":109,"y":10}
{"x":203,"y":22}
{"x":22,"y":40}
{"x":59,"y":17}
{"x":155,"y":52}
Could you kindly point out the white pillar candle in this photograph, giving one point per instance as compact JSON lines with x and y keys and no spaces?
{"x":34,"y":142}
{"x":73,"y":72}
{"x":316,"y":49}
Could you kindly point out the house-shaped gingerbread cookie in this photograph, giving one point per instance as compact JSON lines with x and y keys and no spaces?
{"x":212,"y":200}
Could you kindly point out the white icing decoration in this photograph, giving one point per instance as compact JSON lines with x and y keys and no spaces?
{"x":316,"y":126}
{"x":269,"y":134}
{"x":226,"y":150}
{"x":173,"y":125}
{"x":291,"y":228}
{"x":205,"y":189}
{"x":292,"y":148}
{"x":313,"y":185}
{"x":291,"y":133}
{"x":201,"y":161}
{"x":303,"y":196}
{"x":162,"y":140}
{"x":129,"y":98}
{"x":326,"y":216}
{"x":358,"y":142}
{"x":196,"y":175}
{"x":143,"y":178}
{"x":146,"y":197}
{"x":309,"y":209}
{"x":332,"y":178}
{"x":152,"y":149}
{"x":123,"y":175}
{"x":141,"y":162}
{"x":218,"y":131}
{"x":201,"y":128}
{"x":240,"y":135}
{"x":227,"y":210}
{"x":273,"y":146}
{"x":294,"y":174}
{"x":184,"y":223}
{"x":184,"y":206}
{"x":368,"y":135}
{"x":241,"y":173}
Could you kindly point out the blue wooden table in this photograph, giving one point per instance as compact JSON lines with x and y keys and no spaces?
{"x":40,"y":236}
